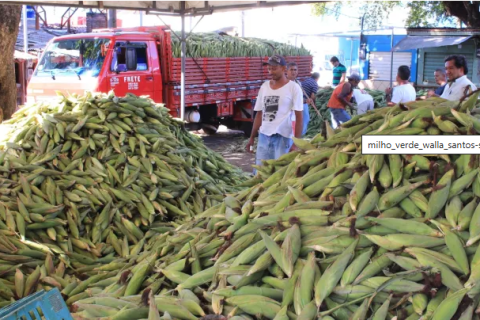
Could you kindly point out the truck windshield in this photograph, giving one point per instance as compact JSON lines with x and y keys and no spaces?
{"x":73,"y":57}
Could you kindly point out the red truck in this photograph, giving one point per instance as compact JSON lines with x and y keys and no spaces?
{"x":139,"y":60}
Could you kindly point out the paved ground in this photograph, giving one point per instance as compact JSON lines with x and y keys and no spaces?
{"x":230,"y":144}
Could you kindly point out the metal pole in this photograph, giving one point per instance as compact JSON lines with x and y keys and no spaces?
{"x":243,"y":24}
{"x":364,"y":50}
{"x":351,"y":54}
{"x":141,"y":18}
{"x":391,"y":61}
{"x":182,"y":77}
{"x":25,"y":29}
{"x":37,"y":19}
{"x":112,"y":18}
{"x":358,"y":61}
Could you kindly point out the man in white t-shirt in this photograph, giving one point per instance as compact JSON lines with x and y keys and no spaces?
{"x":276,"y":100}
{"x":363,"y":100}
{"x":404,"y":92}
{"x":458,"y":84}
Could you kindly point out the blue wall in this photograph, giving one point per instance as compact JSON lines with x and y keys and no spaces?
{"x":374,"y":43}
{"x":345,"y":48}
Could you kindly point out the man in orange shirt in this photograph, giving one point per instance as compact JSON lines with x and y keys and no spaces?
{"x":340,"y":98}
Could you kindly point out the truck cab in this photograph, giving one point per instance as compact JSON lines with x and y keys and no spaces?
{"x":126,"y":62}
{"x":142,"y":61}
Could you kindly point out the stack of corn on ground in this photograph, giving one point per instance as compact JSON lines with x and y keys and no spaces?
{"x":85,"y":177}
{"x":324,"y":232}
{"x":215,"y":45}
{"x":321,"y":100}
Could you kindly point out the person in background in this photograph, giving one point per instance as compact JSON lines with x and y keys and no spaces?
{"x":340,"y":98}
{"x":292,"y":72}
{"x":276,"y":100}
{"x":363,"y":100}
{"x":404,"y":92}
{"x":339,"y":72}
{"x":458,"y":84}
{"x":310,"y":88}
{"x":441,"y":80}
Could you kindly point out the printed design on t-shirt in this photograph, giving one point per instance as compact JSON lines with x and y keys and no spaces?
{"x":271,"y":108}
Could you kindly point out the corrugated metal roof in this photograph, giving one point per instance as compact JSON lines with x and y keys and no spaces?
{"x":37,"y":39}
{"x":356,"y":33}
{"x":416,"y":42}
{"x":443,"y":31}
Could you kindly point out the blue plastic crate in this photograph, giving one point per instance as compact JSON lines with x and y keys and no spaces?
{"x":50,"y":303}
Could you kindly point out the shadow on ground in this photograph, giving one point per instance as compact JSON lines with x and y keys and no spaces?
{"x":229,"y":143}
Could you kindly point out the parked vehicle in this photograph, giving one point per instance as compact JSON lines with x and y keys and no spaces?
{"x":139,"y":60}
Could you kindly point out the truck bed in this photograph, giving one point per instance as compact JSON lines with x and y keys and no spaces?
{"x":219,"y":80}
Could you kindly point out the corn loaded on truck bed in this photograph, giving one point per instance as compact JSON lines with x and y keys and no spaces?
{"x":142,"y":61}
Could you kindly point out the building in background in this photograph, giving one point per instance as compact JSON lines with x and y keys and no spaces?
{"x":375,"y":69}
{"x":435,"y":44}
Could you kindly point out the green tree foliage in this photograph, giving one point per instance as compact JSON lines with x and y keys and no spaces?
{"x":427,"y":14}
{"x":375,"y":11}
{"x":420,"y":13}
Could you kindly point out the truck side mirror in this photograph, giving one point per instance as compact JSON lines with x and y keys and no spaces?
{"x":131,"y":59}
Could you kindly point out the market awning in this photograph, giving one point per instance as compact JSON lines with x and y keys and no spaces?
{"x":415,"y":42}
{"x":175,"y":8}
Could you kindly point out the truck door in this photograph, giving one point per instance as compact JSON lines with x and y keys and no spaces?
{"x":131,"y":69}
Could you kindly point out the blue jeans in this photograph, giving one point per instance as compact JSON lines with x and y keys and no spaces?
{"x":271,"y":147}
{"x":306,"y":118}
{"x":339,"y":116}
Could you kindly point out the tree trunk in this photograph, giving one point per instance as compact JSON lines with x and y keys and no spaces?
{"x":9,"y":25}
{"x":467,"y":11}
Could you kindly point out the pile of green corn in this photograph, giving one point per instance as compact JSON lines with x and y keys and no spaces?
{"x":316,"y":123}
{"x":422,"y":94}
{"x":85,"y":177}
{"x":379,"y":97}
{"x":324,"y":232}
{"x":215,"y":45}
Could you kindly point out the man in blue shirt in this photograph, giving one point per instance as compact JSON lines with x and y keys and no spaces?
{"x":310,"y":88}
{"x":441,"y":80}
